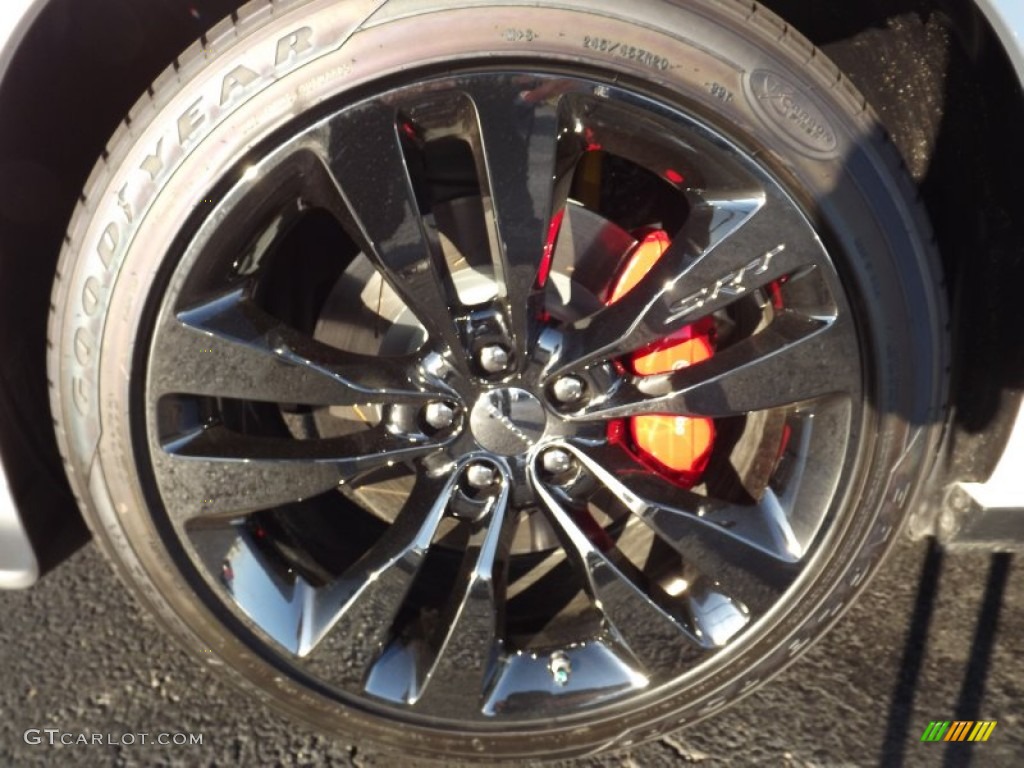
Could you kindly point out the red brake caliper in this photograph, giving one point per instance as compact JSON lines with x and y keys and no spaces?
{"x":675,"y":446}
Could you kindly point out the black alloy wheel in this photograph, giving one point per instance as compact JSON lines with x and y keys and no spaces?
{"x":492,"y":397}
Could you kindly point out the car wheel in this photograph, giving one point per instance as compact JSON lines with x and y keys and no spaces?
{"x":485,"y":379}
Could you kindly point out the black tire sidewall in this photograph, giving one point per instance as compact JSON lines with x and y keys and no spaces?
{"x":831,"y":155}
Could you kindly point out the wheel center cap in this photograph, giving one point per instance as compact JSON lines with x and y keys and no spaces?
{"x":507,"y":421}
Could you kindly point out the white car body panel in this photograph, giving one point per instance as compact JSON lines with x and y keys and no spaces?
{"x":1002,"y":490}
{"x":15,"y":17}
{"x":18,"y":565}
{"x":1007,"y":19}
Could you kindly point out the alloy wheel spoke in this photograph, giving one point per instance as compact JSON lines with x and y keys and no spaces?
{"x":216,"y":471}
{"x":795,"y":359}
{"x":473,"y":625}
{"x":742,"y":549}
{"x":641,"y":621}
{"x":729,"y":248}
{"x":361,"y":604}
{"x":717,"y":617}
{"x":519,"y":131}
{"x":230,"y":347}
{"x":367,"y":163}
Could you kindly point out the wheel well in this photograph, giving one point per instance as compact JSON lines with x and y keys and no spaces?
{"x":72,"y":79}
{"x":932,"y":68}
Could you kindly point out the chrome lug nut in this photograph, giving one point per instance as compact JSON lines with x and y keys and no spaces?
{"x":556,"y":461}
{"x":568,"y":389}
{"x":439,"y":415}
{"x":494,"y":358}
{"x":481,"y":476}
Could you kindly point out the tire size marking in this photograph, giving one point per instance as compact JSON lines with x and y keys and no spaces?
{"x":519,"y":35}
{"x":630,"y":52}
{"x":719,"y":91}
{"x":337,"y":73}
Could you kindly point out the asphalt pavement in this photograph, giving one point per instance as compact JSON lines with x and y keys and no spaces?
{"x":935,"y":637}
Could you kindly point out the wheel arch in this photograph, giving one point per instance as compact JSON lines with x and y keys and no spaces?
{"x":69,"y":73}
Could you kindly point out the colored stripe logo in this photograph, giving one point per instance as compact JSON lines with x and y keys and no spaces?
{"x":958,"y":730}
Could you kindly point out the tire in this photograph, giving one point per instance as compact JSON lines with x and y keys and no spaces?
{"x":847,"y":427}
